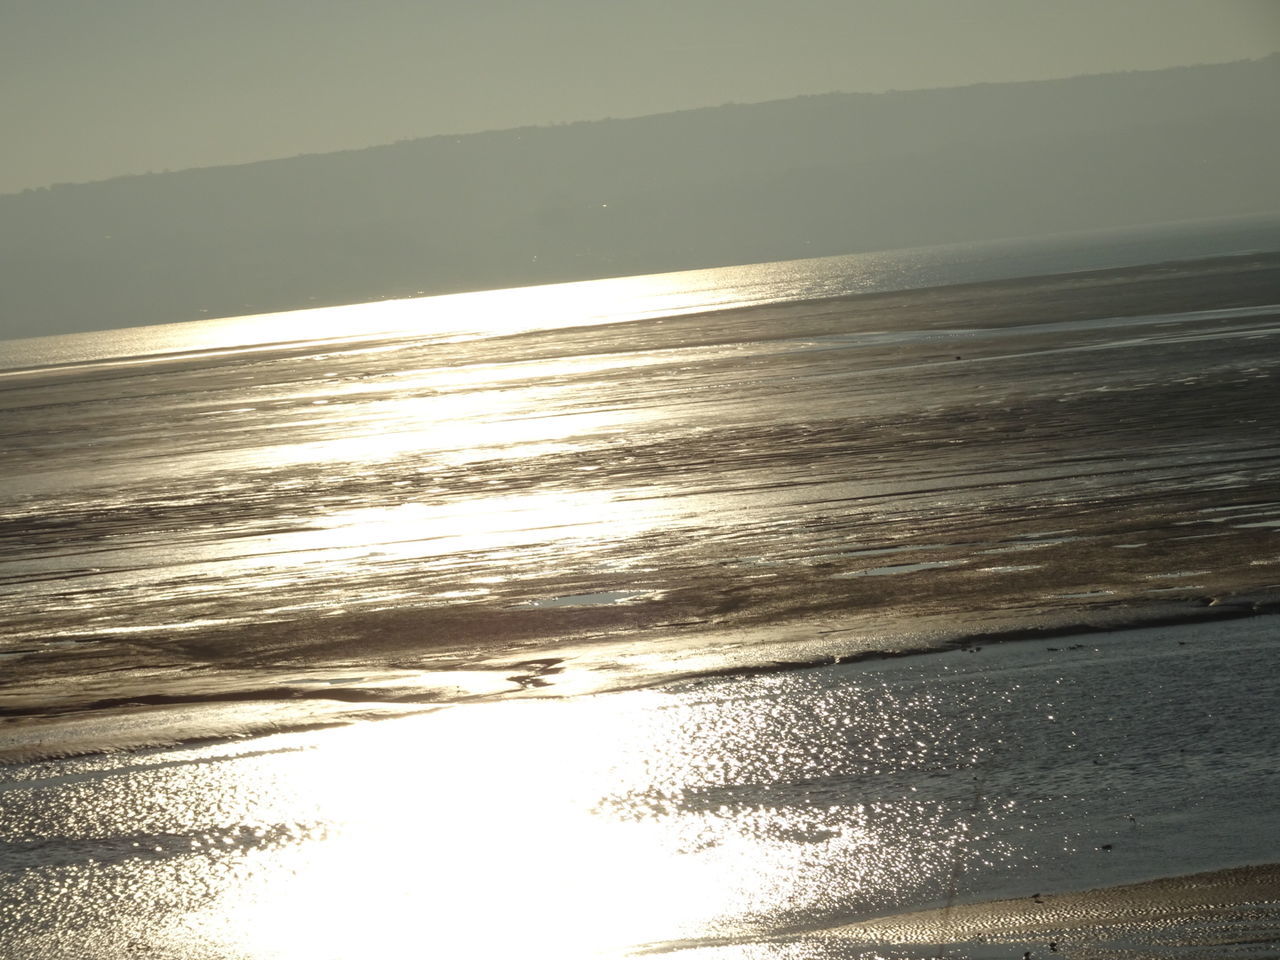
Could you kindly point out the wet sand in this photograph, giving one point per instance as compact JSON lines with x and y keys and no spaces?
{"x":1222,"y":913}
{"x":565,"y":511}
{"x":797,"y":814}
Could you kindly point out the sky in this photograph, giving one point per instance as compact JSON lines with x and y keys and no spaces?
{"x":91,"y":89}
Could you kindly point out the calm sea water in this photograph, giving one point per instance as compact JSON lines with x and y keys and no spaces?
{"x":501,"y":312}
{"x":484,"y":510}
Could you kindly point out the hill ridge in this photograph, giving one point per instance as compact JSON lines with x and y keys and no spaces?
{"x":814,"y":175}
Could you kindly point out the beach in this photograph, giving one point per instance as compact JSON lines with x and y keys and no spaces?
{"x":1199,"y":915}
{"x":887,"y":624}
{"x":592,"y":508}
{"x":799,"y":814}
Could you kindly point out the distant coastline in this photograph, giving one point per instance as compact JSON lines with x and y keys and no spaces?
{"x":616,"y":299}
{"x":809,"y":177}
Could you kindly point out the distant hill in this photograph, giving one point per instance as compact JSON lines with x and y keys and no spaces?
{"x":837,"y":173}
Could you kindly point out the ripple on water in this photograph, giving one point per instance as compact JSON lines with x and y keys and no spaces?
{"x":727,"y":808}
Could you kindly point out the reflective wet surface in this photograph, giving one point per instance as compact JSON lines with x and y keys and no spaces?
{"x":579,"y":507}
{"x":1233,"y":912}
{"x":206,"y":555}
{"x":741,"y":817}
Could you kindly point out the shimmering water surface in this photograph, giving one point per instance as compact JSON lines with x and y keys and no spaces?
{"x":591,"y":303}
{"x":468,"y":517}
{"x":574,"y":508}
{"x":736,"y":818}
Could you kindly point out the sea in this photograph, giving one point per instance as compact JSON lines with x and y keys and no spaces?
{"x":704,"y":613}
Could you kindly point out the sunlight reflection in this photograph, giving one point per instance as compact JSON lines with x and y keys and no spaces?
{"x":458,"y":442}
{"x":463,"y":316}
{"x":571,"y":829}
{"x":454,"y":415}
{"x":477,"y":833}
{"x":597,"y":826}
{"x":485,"y":523}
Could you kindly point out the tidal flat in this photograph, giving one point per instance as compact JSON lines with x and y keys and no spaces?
{"x":574,"y":509}
{"x":809,"y":813}
{"x":685,"y":630}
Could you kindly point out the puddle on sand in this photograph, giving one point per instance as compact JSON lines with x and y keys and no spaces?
{"x":898,"y":568}
{"x":1031,"y":542}
{"x":592,"y":599}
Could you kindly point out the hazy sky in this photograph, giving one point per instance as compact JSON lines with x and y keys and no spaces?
{"x":96,"y":88}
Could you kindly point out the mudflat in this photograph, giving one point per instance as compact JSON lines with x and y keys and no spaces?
{"x":567,"y":510}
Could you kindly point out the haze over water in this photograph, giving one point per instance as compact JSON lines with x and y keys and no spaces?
{"x":563,"y":490}
{"x":552,"y":306}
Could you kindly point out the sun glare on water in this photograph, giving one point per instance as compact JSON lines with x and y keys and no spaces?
{"x":456,"y":316}
{"x":528,"y":830}
{"x":712,"y":816}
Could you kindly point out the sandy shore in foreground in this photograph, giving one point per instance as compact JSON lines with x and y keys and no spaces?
{"x":1233,"y":912}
